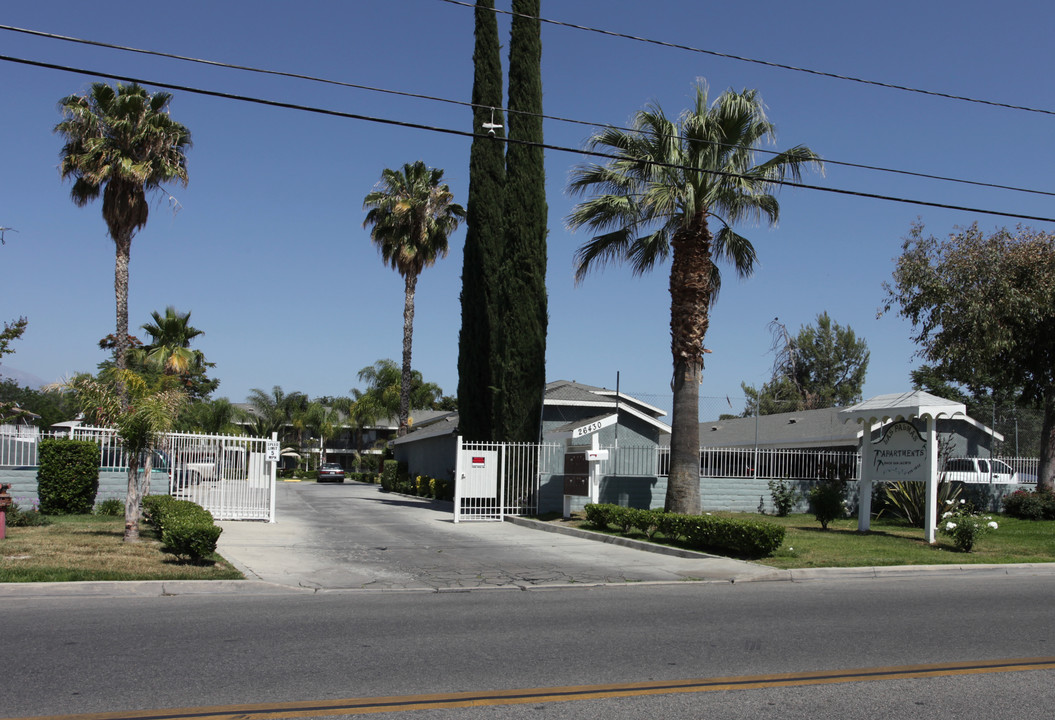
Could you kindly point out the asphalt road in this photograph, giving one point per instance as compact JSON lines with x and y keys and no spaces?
{"x":360,"y":596}
{"x":65,"y":655}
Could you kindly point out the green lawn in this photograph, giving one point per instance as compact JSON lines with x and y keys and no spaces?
{"x":90,"y":547}
{"x":889,"y":542}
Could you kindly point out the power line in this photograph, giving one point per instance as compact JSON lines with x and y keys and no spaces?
{"x":467,"y":134}
{"x":432,"y":98}
{"x":782,"y":66}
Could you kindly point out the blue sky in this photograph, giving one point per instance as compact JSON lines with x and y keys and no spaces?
{"x":268,"y":251}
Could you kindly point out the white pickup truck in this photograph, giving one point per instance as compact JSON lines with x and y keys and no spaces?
{"x":979,"y":470}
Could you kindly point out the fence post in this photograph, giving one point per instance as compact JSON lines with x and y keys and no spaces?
{"x":457,"y":480}
{"x":274,"y":484}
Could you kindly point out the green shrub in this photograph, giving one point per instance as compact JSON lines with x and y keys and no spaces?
{"x":828,"y":501}
{"x":110,"y":506}
{"x":598,"y":515}
{"x":965,"y":526}
{"x":1029,"y":505}
{"x":190,"y":539}
{"x":68,"y":476}
{"x":389,"y":475}
{"x":17,"y":517}
{"x":784,"y":497}
{"x":187,"y":530}
{"x":751,"y":538}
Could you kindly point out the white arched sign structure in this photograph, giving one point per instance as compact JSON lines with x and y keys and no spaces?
{"x":901,"y":453}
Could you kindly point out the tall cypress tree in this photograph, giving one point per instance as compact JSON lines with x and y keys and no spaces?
{"x":477,"y":353}
{"x":523,"y":310}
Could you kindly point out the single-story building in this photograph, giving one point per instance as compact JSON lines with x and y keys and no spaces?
{"x":617,"y":419}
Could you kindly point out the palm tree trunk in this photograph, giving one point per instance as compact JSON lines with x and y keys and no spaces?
{"x":132,"y":500}
{"x":408,"y":339}
{"x":123,"y":241}
{"x":690,"y":284}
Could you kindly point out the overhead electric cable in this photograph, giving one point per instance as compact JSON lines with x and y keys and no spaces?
{"x":433,"y":98}
{"x":782,"y":66}
{"x":464,"y":133}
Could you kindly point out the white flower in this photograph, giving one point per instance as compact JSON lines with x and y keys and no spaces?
{"x":947,"y":514}
{"x":790,"y":549}
{"x":963,"y":502}
{"x":993,"y":525}
{"x":950,"y":526}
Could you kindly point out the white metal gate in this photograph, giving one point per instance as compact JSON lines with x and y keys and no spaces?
{"x":228,"y":475}
{"x":493,"y":480}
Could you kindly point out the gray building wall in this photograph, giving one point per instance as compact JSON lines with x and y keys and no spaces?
{"x":434,"y":457}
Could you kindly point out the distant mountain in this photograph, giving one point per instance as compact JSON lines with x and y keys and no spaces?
{"x":23,"y":378}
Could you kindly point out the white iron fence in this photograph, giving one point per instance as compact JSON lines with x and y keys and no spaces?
{"x":226,"y":474}
{"x":494,"y":480}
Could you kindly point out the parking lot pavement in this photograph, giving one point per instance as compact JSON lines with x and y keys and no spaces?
{"x":356,"y":537}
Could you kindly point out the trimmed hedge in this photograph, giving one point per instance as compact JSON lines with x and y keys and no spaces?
{"x":68,"y":476}
{"x":389,"y":475}
{"x":750,"y":538}
{"x":187,"y":529}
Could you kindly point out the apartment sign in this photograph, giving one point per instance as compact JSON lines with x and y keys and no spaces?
{"x":900,"y":454}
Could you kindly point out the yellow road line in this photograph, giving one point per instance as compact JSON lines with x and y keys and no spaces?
{"x":403,"y":703}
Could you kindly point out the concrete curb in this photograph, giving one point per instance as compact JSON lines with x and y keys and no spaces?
{"x":610,"y":539}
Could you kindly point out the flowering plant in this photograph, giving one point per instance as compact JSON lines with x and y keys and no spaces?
{"x":964,"y":525}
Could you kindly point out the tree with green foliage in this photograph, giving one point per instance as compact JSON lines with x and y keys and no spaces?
{"x":213,"y":417}
{"x":52,"y":405}
{"x":384,"y":390}
{"x":982,"y":308}
{"x":142,"y":414}
{"x":121,"y":143}
{"x":478,"y":338}
{"x":169,"y":352}
{"x":823,"y":366}
{"x":411,"y":215}
{"x":273,"y":412}
{"x":523,"y":306}
{"x":10,"y":333}
{"x":656,"y":199}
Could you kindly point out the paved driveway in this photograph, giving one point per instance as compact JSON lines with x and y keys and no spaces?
{"x":353,"y":536}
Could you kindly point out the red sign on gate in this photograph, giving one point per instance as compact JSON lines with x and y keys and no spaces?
{"x":478,"y":461}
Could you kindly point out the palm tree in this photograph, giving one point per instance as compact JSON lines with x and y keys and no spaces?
{"x":121,"y":144}
{"x":169,"y":347}
{"x":142,"y":412}
{"x":656,"y":198}
{"x":384,"y":391}
{"x":274,"y":411}
{"x":412,"y":216}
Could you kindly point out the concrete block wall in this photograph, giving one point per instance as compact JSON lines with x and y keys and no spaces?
{"x":112,"y":484}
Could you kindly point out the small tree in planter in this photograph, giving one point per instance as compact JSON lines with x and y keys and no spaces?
{"x":142,"y":413}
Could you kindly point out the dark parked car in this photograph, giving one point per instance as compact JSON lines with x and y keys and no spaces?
{"x":329,"y":472}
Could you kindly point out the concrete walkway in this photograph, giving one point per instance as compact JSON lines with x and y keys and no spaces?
{"x":355,"y":537}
